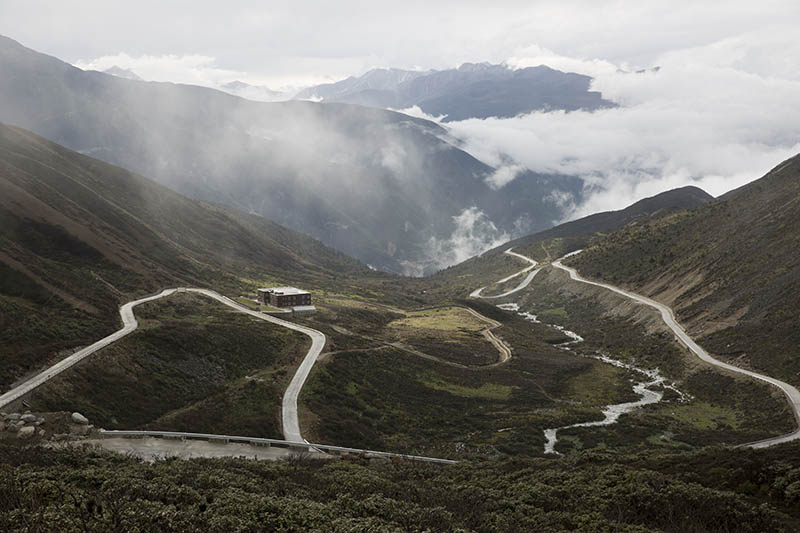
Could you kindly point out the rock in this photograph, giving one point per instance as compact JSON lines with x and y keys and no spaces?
{"x":13,"y":417}
{"x":28,"y":418}
{"x":79,"y":419}
{"x":40,"y":421}
{"x":78,"y":429}
{"x":12,"y":428}
{"x":26,"y":432}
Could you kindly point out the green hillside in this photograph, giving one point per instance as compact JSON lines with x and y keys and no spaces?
{"x":730,"y":269}
{"x":79,"y":236}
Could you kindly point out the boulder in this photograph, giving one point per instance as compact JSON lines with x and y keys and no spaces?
{"x":12,"y":428}
{"x":79,"y":419}
{"x":13,"y":417}
{"x":79,"y":429}
{"x":26,"y":432}
{"x":28,"y":418}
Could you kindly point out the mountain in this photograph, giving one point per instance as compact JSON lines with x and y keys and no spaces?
{"x":474,"y":90}
{"x":259,"y":93}
{"x":643,"y":210}
{"x":123,"y":73}
{"x":79,"y":236}
{"x":730,"y":269}
{"x":381,"y":186}
{"x":378,"y":80}
{"x":477,"y":271}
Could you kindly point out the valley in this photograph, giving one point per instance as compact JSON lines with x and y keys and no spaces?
{"x":440,"y":268}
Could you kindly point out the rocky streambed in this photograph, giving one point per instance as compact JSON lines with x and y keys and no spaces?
{"x":649,"y":388}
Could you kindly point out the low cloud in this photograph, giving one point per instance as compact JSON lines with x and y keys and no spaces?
{"x":715,"y":116}
{"x":474,"y":234}
{"x":503,"y":175}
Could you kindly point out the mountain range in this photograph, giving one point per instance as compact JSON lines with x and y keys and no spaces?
{"x":391,"y":190}
{"x":473,"y":90}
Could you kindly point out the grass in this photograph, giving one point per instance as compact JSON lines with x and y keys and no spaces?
{"x":489,"y":391}
{"x":704,"y":415}
{"x":559,"y":312}
{"x":185,"y":369}
{"x":442,"y":319}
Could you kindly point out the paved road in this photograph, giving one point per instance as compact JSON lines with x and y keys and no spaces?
{"x":667,"y":315}
{"x":502,"y":347}
{"x":129,"y":324}
{"x":291,"y":424}
{"x":150,"y":449}
{"x":289,"y":416}
{"x":525,"y":282}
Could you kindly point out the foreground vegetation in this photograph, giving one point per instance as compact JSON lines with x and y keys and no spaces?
{"x":713,"y":489}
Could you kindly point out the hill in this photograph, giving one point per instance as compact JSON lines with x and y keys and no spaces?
{"x":79,"y":236}
{"x":380,"y":186}
{"x":729,"y":268}
{"x":474,"y":90}
{"x":564,"y":238}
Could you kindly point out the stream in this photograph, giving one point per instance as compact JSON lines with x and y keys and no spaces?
{"x":611,"y":413}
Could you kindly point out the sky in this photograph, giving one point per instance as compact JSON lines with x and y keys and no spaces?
{"x":722,"y":110}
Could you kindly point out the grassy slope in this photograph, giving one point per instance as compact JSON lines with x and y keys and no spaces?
{"x":731,"y":270}
{"x":193,"y":365}
{"x":78,"y":237}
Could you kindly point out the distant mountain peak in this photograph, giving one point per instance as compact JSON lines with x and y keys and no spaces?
{"x":120,"y":72}
{"x":473,"y":90}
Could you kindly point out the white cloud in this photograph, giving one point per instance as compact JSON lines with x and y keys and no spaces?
{"x":474,"y":234}
{"x":710,"y":117}
{"x":195,"y":69}
{"x":503,"y":175}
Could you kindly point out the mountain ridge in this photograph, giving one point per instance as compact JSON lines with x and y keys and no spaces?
{"x":473,"y":90}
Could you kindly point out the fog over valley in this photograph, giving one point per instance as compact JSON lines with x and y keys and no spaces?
{"x":565,"y":129}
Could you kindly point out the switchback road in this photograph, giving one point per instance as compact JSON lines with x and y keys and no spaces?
{"x":289,"y":416}
{"x":525,"y":282}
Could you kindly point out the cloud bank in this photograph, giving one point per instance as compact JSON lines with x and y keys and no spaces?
{"x":715,"y":116}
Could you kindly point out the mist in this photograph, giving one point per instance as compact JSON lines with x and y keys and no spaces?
{"x":716,"y":116}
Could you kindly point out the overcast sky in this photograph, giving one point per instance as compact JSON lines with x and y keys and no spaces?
{"x":723,"y":109}
{"x":298,"y":42}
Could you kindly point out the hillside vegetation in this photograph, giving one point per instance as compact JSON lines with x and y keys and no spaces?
{"x":544,"y":246}
{"x":730,"y":269}
{"x":193,"y":365}
{"x":710,"y":490}
{"x":79,"y":236}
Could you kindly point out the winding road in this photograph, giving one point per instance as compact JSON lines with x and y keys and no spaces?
{"x":129,"y":324}
{"x":792,"y":394}
{"x":289,"y":416}
{"x":525,"y":282}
